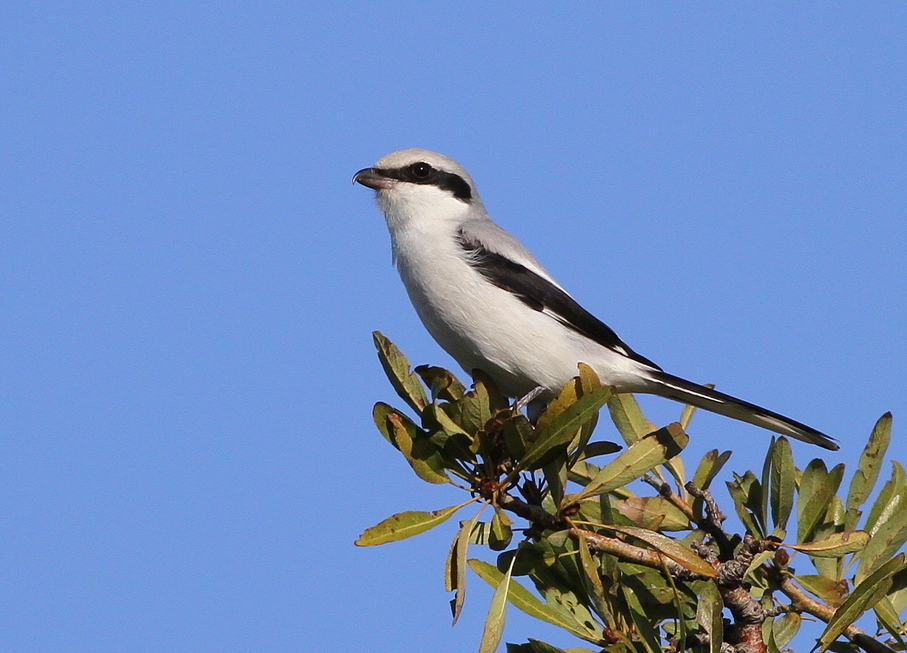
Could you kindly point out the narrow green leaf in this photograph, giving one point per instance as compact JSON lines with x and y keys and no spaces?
{"x":628,"y":418}
{"x":817,"y":491}
{"x":602,"y":448}
{"x":709,"y":467}
{"x":867,"y":473}
{"x":747,"y":495}
{"x":590,"y":567}
{"x":560,"y":430}
{"x":835,"y":545}
{"x":686,"y":415}
{"x":889,"y":497}
{"x":456,"y":569}
{"x":782,"y":483}
{"x":648,"y":635}
{"x":680,"y":602}
{"x":671,"y":548}
{"x":524,"y":600}
{"x":406,"y":524}
{"x":890,"y":619}
{"x":396,"y":367}
{"x":898,"y":593}
{"x":864,"y":596}
{"x":536,"y":646}
{"x":555,"y":473}
{"x":497,"y":614}
{"x":451,"y":573}
{"x":640,"y":457}
{"x":890,"y":533}
{"x":765,"y":484}
{"x":708,"y":614}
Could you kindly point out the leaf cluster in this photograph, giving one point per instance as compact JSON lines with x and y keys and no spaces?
{"x":580,"y":547}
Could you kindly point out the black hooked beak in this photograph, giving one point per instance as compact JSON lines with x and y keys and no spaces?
{"x":373,"y":178}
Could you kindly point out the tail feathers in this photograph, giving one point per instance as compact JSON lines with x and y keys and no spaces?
{"x":674,"y":387}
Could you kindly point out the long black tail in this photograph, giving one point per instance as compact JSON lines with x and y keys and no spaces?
{"x":684,"y":391}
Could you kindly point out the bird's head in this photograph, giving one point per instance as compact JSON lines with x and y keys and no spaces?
{"x":416,"y":185}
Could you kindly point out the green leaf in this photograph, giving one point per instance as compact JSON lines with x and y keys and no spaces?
{"x":747,"y":495}
{"x":888,"y":535}
{"x":569,"y":394}
{"x":864,"y":596}
{"x":709,"y":467}
{"x":535,"y":646}
{"x":437,"y":416}
{"x":628,"y":418}
{"x":379,"y":414}
{"x":782,"y":483}
{"x":712,"y":463}
{"x":442,"y":383}
{"x":835,"y":545}
{"x":832,"y":592}
{"x":648,"y":635}
{"x":455,"y":570}
{"x":671,"y":548}
{"x":497,"y":614}
{"x":765,"y":484}
{"x":501,"y":533}
{"x":523,"y":599}
{"x":470,"y":413}
{"x":640,"y":457}
{"x":889,"y":498}
{"x":406,"y":524}
{"x":602,"y":448}
{"x":555,"y":473}
{"x":867,"y":473}
{"x":414,"y":443}
{"x":560,"y":430}
{"x":785,"y":627}
{"x":590,"y":567}
{"x":708,"y":614}
{"x":817,"y":491}
{"x":518,"y":434}
{"x":418,"y":449}
{"x":890,"y":619}
{"x":396,"y":367}
{"x":898,"y":593}
{"x":654,"y":513}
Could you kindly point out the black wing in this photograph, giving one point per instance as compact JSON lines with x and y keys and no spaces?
{"x":540,"y":294}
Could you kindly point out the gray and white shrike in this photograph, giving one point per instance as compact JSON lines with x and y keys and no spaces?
{"x":493,"y":307}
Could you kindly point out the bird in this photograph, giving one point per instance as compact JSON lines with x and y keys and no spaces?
{"x":491,"y":305}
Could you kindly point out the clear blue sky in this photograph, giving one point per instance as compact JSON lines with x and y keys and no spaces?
{"x":189,"y":280}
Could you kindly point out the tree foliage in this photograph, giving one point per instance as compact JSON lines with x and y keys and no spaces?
{"x":651,"y":571}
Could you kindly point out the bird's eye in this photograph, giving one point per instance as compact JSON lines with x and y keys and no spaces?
{"x":420,"y":170}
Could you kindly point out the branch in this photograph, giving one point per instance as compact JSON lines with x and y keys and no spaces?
{"x":803,"y":602}
{"x":600,"y":543}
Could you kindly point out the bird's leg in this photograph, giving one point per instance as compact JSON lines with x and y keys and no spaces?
{"x":527,"y":398}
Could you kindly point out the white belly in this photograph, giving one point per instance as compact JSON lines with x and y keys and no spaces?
{"x":485,"y":327}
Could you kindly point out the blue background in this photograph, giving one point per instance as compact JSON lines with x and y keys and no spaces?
{"x":189,"y":281}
